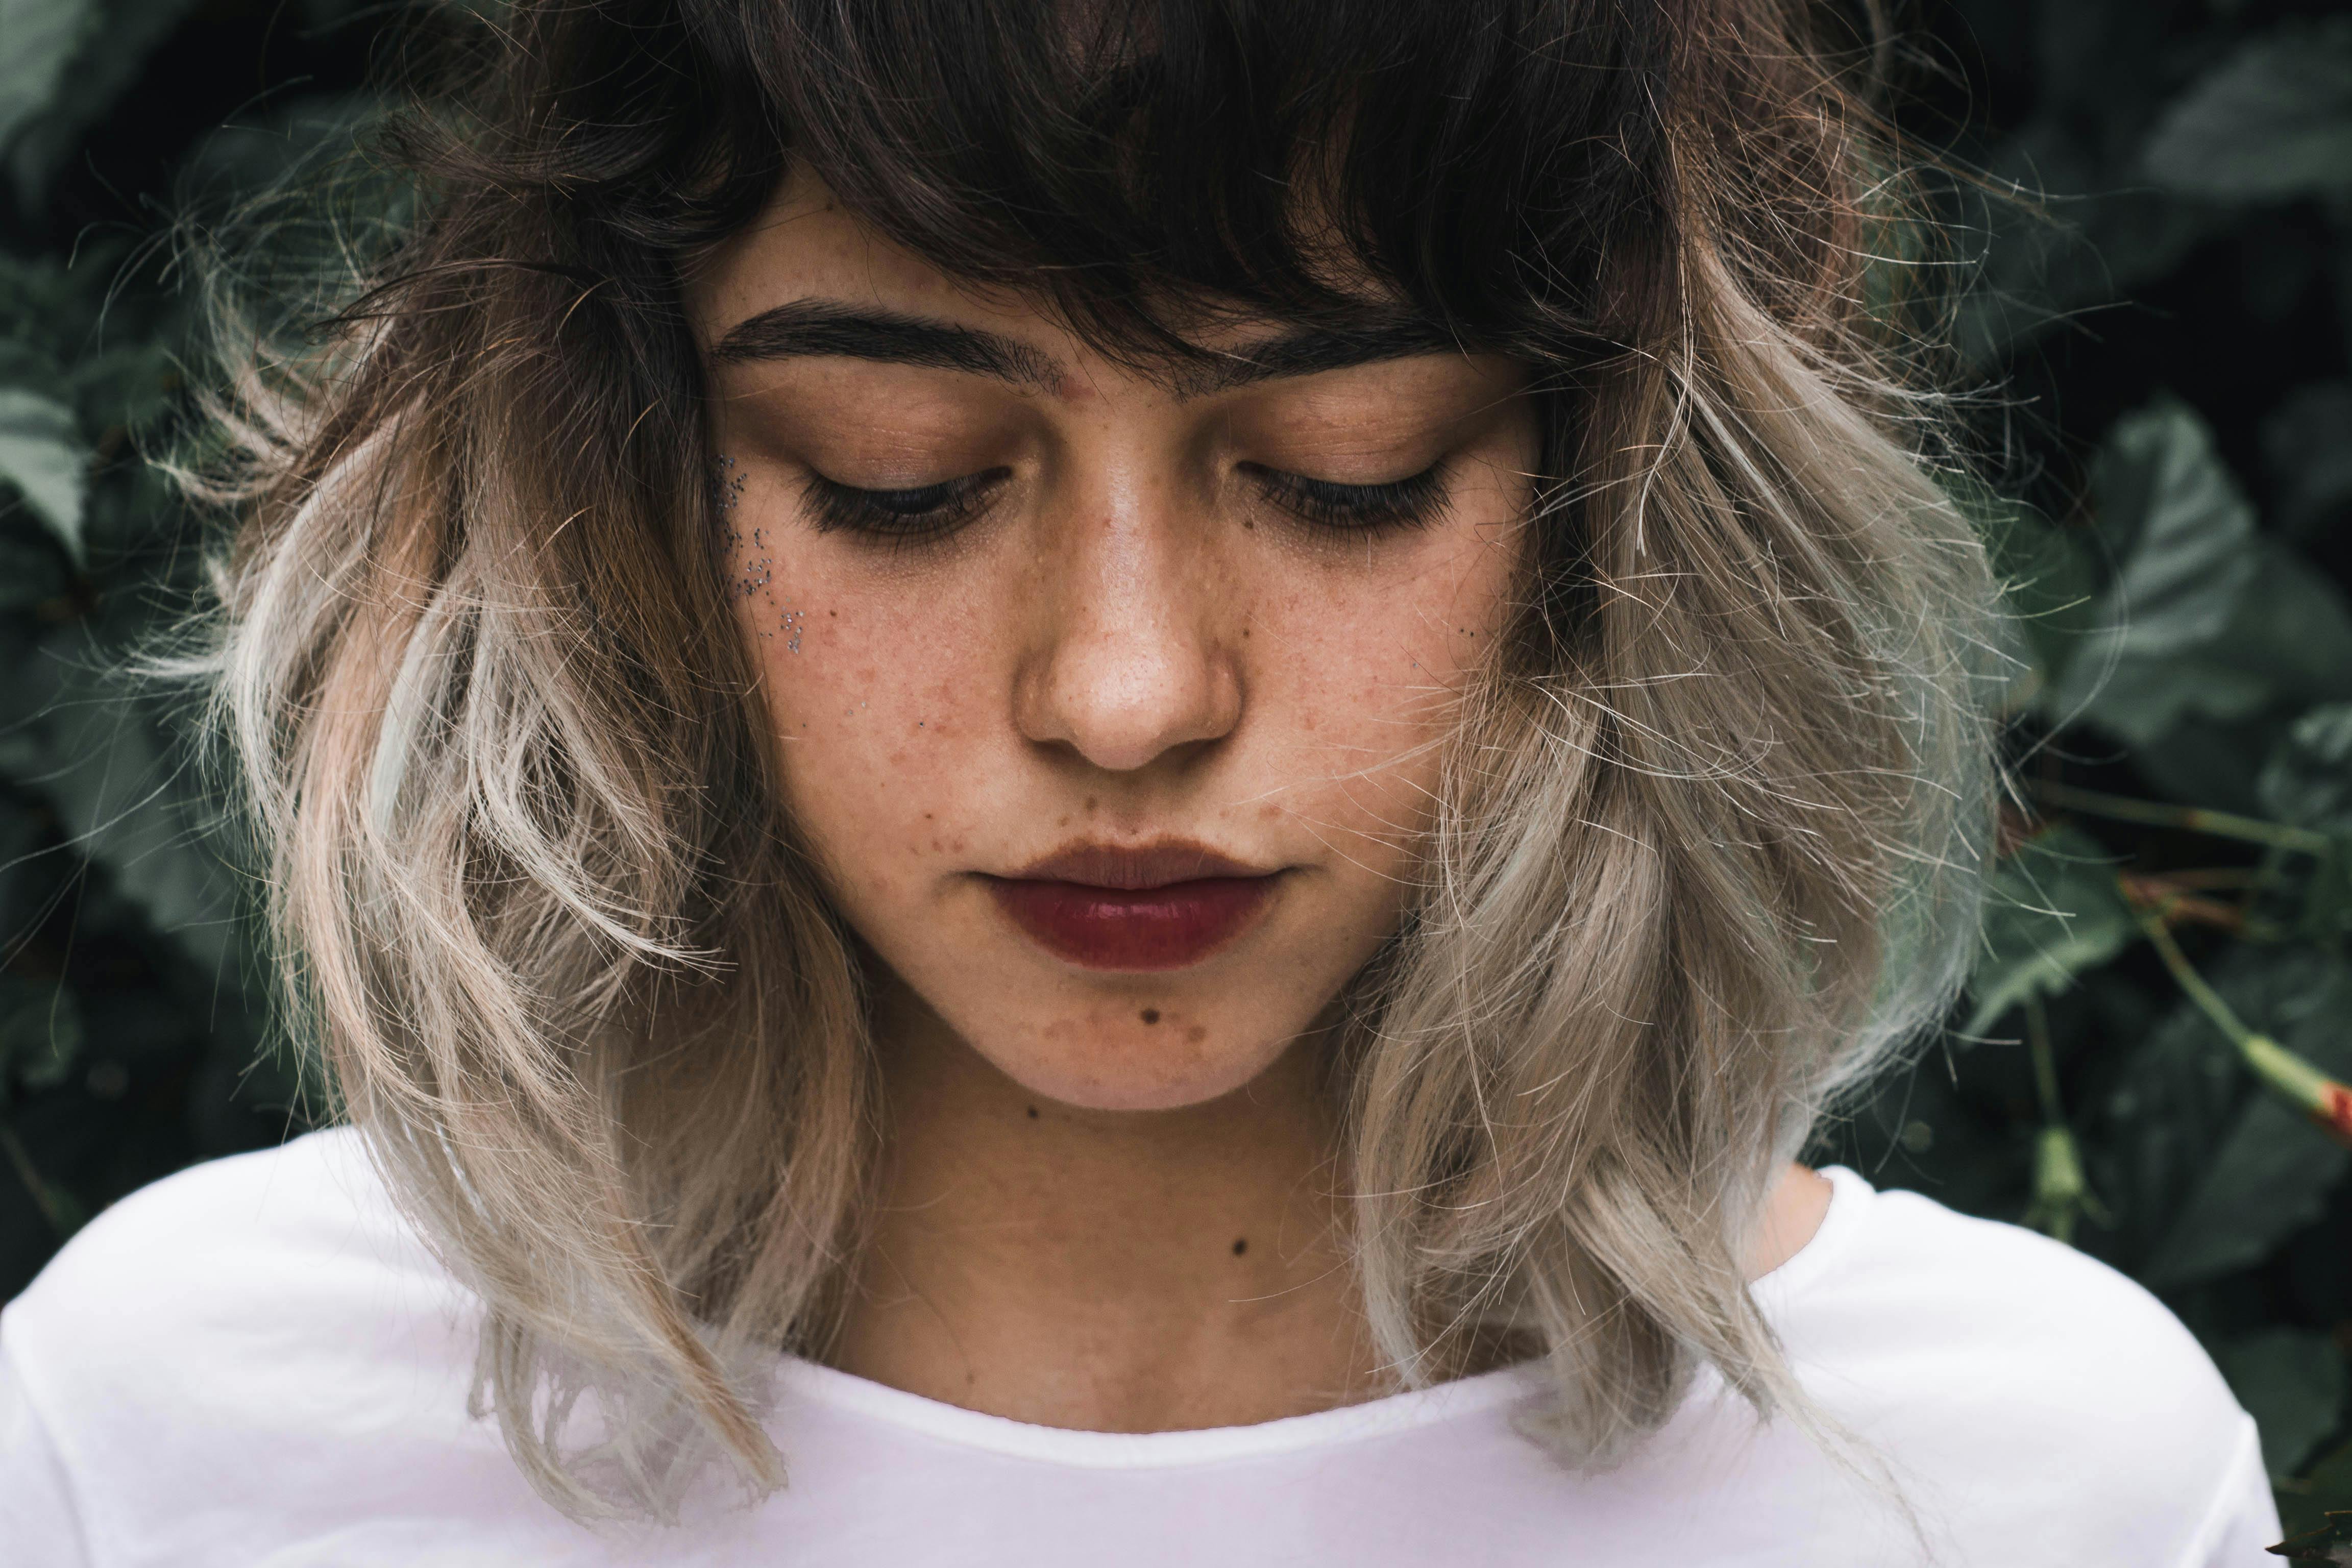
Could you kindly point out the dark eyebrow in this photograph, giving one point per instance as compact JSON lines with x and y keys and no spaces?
{"x":820,"y":327}
{"x":808,"y":328}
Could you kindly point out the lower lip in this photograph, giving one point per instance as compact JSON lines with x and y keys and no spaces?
{"x":1134,"y":928}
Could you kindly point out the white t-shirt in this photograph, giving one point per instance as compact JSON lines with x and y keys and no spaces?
{"x":255,"y":1362}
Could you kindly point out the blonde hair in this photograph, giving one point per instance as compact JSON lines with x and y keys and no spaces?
{"x":1711,"y":831}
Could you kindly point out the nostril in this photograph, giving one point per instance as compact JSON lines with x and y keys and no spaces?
{"x":1125,"y":701}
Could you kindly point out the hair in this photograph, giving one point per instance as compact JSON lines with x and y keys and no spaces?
{"x":1712,"y":828}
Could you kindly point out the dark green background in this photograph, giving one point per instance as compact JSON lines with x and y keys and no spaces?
{"x":2166,"y":330}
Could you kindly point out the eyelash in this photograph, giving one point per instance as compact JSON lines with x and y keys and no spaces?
{"x":901,"y":516}
{"x":1408,"y":502}
{"x":924,"y":513}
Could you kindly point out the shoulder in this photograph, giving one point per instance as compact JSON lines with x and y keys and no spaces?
{"x":238,"y":1263}
{"x":1895,"y":1281}
{"x":2004,"y":1371}
{"x":246,"y":1241}
{"x":245,"y":1325}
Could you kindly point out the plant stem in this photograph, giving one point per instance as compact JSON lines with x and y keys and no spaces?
{"x":2321,"y":1098}
{"x":2219,"y":878}
{"x":2208,"y":1001}
{"x":2045,"y":1062}
{"x":2062,"y":1189}
{"x":2178,"y":902}
{"x":2195,"y":818}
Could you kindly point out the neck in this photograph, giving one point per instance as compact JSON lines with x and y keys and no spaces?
{"x":1127,"y":1271}
{"x":1121,"y":1271}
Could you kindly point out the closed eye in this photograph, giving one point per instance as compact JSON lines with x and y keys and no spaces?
{"x":912,"y":514}
{"x":1409,"y":502}
{"x":901,"y":516}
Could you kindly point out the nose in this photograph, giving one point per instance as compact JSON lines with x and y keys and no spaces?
{"x":1128,"y":665}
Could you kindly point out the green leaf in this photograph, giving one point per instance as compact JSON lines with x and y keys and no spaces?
{"x":2211,"y":763}
{"x":2272,"y":122}
{"x":2203,"y":723}
{"x":2307,"y":782}
{"x":2269,"y":1178}
{"x":37,"y":39}
{"x":2329,"y":1542}
{"x":42,"y":455}
{"x":2049,"y":584}
{"x":2304,"y":1503}
{"x":2183,"y":536}
{"x":132,"y":804}
{"x":2053,"y":911}
{"x":2308,"y":779}
{"x":2172,"y":512}
{"x":2292,"y":1381}
{"x":2272,"y":1171}
{"x":2326,"y":914}
{"x":29,"y":571}
{"x":40,"y":1031}
{"x":2161,"y":1123}
{"x":2307,"y":441}
{"x":2287,"y":644}
{"x":2076,"y":237}
{"x":2144,"y":700}
{"x":121,"y":34}
{"x":2293,"y":628}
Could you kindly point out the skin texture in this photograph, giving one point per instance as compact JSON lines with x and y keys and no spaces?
{"x":1108,"y":1198}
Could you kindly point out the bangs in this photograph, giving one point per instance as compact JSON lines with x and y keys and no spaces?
{"x":1141,"y":166}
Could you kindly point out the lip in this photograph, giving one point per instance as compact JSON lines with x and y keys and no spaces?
{"x":1154,"y":907}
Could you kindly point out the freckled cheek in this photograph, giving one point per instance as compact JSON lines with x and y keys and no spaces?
{"x":1383,"y":668}
{"x":875,"y":741}
{"x":1366,"y":710}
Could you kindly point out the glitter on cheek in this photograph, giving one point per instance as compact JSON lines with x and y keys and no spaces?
{"x":760,"y":570}
{"x":730,"y":484}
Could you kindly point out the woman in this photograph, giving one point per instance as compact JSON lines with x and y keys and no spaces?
{"x":1061,"y":783}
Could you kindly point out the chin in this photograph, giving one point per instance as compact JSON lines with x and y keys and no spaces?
{"x":1180,"y":1060}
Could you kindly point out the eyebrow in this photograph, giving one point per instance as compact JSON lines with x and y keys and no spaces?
{"x":819,"y":328}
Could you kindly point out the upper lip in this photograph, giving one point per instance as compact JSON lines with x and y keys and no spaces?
{"x":1136,"y":866}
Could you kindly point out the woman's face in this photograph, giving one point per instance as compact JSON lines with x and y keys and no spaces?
{"x":1111,"y":709}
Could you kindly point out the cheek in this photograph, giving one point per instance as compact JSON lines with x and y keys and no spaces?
{"x":874,"y":699}
{"x":1372,"y":692}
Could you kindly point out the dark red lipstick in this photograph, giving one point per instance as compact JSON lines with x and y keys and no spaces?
{"x":1165,"y":905}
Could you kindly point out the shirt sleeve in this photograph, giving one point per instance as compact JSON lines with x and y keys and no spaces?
{"x":38,"y":1518}
{"x":2244,"y":1520}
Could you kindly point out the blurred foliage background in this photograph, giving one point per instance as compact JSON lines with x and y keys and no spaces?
{"x":2166,"y":325}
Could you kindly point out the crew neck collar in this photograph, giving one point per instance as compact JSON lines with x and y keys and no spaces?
{"x":1152,"y":1450}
